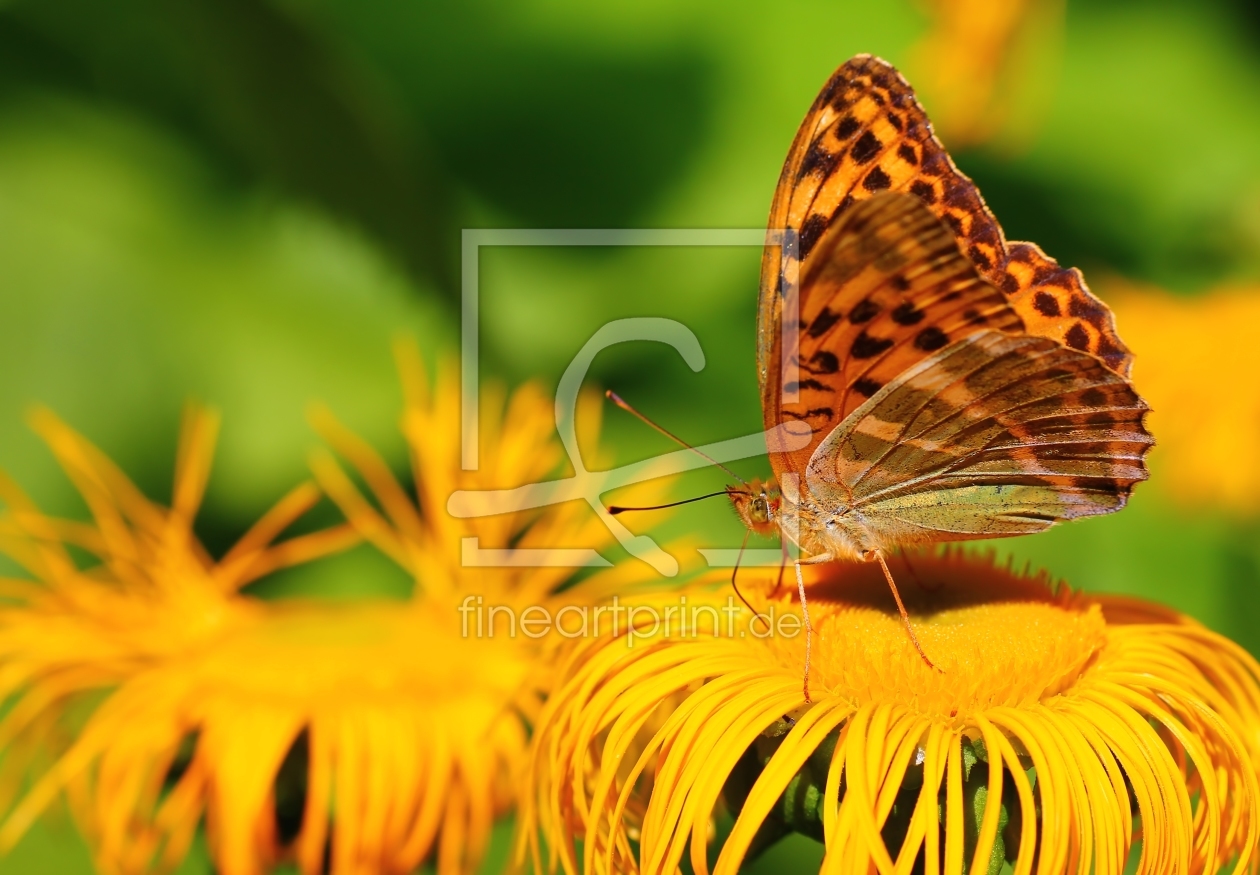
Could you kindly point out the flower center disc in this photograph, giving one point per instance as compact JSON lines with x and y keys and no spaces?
{"x":998,"y":639}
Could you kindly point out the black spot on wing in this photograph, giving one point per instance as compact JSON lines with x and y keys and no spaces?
{"x":1082,"y":309}
{"x":900,"y":283}
{"x":1094,"y":397}
{"x":867,"y":147}
{"x":817,"y":159}
{"x":835,"y":93}
{"x":923,"y":191}
{"x":907,"y":153}
{"x":865,"y":311}
{"x":823,"y":362}
{"x":795,"y":386}
{"x":1046,"y":304}
{"x":931,"y":338}
{"x":866,"y":387}
{"x":1109,"y":352}
{"x":907,"y":314}
{"x":876,"y":180}
{"x":823,"y":322}
{"x":848,"y":127}
{"x":816,"y":411}
{"x":811,"y":230}
{"x":866,"y":347}
{"x":1078,"y":337}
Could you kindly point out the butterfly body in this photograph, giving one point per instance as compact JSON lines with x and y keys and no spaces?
{"x":821,"y":532}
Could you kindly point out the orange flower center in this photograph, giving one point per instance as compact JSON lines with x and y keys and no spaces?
{"x":997,"y":639}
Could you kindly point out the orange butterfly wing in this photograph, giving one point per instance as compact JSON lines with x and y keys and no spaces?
{"x":965,"y":425}
{"x":864,"y":135}
{"x":887,"y":288}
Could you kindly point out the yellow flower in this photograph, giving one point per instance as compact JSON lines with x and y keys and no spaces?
{"x":978,"y":66}
{"x":129,"y":618}
{"x":1056,"y":720}
{"x":365,"y":736}
{"x":1196,"y":363}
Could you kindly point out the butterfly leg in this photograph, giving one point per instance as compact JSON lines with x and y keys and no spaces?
{"x":905,"y":617}
{"x":809,"y":629}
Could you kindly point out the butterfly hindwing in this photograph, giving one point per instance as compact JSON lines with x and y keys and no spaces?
{"x":885,"y":288}
{"x":995,"y":435}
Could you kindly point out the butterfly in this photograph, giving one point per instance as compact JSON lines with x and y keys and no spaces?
{"x":952,"y":385}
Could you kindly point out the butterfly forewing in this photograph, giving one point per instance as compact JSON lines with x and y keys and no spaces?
{"x":884,"y":289}
{"x":995,"y":435}
{"x":866,"y":134}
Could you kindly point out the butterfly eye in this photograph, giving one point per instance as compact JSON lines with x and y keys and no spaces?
{"x":759,"y":512}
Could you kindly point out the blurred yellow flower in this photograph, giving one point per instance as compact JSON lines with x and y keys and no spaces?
{"x":1057,"y":718}
{"x":130,"y":619}
{"x":1198,"y":365}
{"x":349,"y":737}
{"x":977,"y":65}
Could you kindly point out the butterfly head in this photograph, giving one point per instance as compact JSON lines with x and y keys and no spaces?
{"x":757,"y":504}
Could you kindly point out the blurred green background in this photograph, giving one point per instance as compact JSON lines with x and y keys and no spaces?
{"x":243,"y":201}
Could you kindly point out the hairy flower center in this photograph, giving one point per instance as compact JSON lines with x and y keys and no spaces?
{"x":997,"y":639}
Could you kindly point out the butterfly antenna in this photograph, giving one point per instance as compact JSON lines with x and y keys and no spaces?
{"x":616,"y":509}
{"x":620,"y":402}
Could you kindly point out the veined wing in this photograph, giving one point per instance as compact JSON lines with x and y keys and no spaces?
{"x":884,"y":289}
{"x":995,"y":435}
